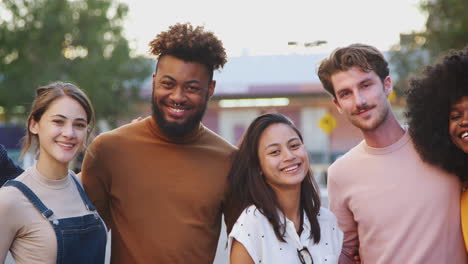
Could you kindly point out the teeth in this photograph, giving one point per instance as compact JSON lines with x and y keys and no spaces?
{"x":177,"y":110}
{"x":464,"y":135}
{"x":291,"y":168}
{"x":66,"y":145}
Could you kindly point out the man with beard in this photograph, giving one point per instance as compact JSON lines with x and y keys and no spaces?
{"x":390,"y":205}
{"x":159,"y":184}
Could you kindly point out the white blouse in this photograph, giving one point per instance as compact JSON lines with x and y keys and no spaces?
{"x":256,"y":234}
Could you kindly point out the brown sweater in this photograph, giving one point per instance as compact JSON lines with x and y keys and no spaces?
{"x":162,"y":199}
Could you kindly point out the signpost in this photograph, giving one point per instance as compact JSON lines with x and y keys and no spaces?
{"x":327,"y":123}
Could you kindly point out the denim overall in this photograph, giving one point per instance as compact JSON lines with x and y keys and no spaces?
{"x":80,"y":239}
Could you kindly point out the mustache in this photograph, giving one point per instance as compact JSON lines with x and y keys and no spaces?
{"x":184,"y":105}
{"x":361,"y":108}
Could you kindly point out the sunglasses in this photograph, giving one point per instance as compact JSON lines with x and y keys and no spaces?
{"x":304,"y":256}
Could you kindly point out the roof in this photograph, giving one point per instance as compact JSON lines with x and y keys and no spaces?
{"x":264,"y":75}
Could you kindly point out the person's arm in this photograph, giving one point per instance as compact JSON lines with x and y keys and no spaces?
{"x":239,"y":254}
{"x":245,"y":242}
{"x":345,"y":218}
{"x":96,"y":179}
{"x":8,"y":169}
{"x":9,"y":222}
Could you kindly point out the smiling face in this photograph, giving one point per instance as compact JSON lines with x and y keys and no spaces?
{"x":362,"y":97}
{"x":61,"y":132}
{"x":283,"y":157}
{"x":181,"y":91}
{"x":458,"y":124}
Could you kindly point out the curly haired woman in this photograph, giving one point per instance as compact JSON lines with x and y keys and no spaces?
{"x":438,"y":119}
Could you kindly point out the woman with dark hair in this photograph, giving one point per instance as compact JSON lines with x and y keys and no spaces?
{"x":278,"y":201}
{"x":437,"y":111}
{"x":46,"y":216}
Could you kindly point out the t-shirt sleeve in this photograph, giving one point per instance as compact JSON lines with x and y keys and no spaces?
{"x":247,"y":231}
{"x":339,"y":206}
{"x":9,"y":223}
{"x":96,"y":179}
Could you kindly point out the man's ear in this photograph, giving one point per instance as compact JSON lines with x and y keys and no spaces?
{"x":338,"y":106}
{"x":211,"y":88}
{"x":388,"y":85}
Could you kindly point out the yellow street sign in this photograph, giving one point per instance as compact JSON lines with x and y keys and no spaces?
{"x":327,"y":123}
{"x":392,"y":97}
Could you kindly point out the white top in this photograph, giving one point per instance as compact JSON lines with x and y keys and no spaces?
{"x":256,"y":234}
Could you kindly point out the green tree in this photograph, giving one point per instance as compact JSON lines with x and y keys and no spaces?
{"x":446,"y":28}
{"x":79,"y":41}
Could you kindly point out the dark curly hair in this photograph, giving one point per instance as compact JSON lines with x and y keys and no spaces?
{"x":429,"y":101}
{"x":190,"y":43}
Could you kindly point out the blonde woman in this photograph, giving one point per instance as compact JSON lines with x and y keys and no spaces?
{"x":46,"y":216}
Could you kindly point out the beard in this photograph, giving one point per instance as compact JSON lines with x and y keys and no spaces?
{"x":380,"y":117}
{"x":173,"y":129}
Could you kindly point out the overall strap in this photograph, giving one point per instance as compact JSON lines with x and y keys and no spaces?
{"x":83,"y":195}
{"x":32,"y":197}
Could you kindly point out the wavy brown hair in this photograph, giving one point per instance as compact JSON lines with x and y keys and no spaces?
{"x":429,"y":102}
{"x":248,"y":186}
{"x":365,"y":57}
{"x":45,"y":96}
{"x":192,"y":44}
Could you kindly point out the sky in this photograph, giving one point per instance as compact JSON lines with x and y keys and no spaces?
{"x":264,"y":27}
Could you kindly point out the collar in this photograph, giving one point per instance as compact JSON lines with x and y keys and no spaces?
{"x":389,"y":149}
{"x":303,"y":239}
{"x":48,"y":183}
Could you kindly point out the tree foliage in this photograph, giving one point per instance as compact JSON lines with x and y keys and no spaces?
{"x":446,"y":28}
{"x":79,"y":41}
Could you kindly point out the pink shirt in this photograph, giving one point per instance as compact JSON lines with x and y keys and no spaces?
{"x":394,"y":207}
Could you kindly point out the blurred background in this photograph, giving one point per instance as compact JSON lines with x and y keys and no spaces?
{"x":274,"y":48}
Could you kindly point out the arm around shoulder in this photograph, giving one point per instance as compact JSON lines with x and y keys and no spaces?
{"x":95,"y":177}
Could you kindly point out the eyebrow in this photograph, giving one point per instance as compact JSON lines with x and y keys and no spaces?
{"x":289,"y":141}
{"x":368,"y":79}
{"x":64,"y":117}
{"x":365,"y":80}
{"x":193,"y":81}
{"x":172,"y":79}
{"x":167,"y":76}
{"x":456,"y":106}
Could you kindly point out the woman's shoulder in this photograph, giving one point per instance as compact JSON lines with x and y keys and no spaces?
{"x":24,"y":178}
{"x":329,"y":229}
{"x":251,"y":219}
{"x":325,"y":215}
{"x":252,"y":214}
{"x":9,"y":200}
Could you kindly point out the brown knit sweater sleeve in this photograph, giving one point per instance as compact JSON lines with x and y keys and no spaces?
{"x":96,"y":178}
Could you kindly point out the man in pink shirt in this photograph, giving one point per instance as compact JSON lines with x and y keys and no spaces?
{"x":391,"y":206}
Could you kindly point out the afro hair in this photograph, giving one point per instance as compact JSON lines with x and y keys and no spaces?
{"x":190,"y":43}
{"x":429,"y":101}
